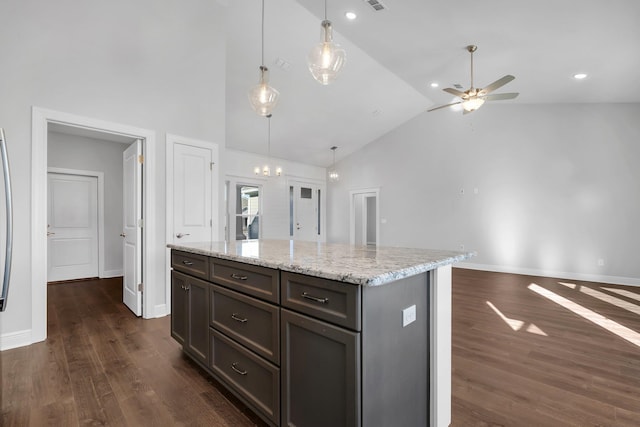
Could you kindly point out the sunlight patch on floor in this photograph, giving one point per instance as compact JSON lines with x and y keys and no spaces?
{"x":624,"y":293}
{"x":611,"y":300}
{"x":515,"y":324}
{"x":568,"y":285}
{"x":610,"y":325}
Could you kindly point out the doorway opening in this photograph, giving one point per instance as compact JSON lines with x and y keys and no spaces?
{"x":43,"y":121}
{"x":364,"y":222}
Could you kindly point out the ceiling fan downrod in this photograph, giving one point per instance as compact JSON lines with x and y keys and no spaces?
{"x":472,"y":48}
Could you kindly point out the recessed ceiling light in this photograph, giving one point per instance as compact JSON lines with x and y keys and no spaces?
{"x":350,"y":15}
{"x":434,"y":84}
{"x":580,"y":76}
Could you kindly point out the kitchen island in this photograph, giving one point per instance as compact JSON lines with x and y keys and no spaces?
{"x":315,"y":334}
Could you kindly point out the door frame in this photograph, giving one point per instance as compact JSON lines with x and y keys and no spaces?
{"x":352,"y":212}
{"x":40,"y":120}
{"x":322,"y":186}
{"x":100,"y":176}
{"x":170,"y":141}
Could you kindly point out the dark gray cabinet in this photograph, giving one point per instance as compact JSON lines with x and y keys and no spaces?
{"x":190,"y":307}
{"x":306,"y":351}
{"x":320,"y":373}
{"x":178,"y":306}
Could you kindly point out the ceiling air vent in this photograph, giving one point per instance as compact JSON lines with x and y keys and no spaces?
{"x":376,"y":5}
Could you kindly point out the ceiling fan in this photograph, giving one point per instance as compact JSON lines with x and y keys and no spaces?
{"x":473,"y":98}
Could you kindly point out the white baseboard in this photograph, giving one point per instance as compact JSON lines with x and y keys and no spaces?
{"x":614,"y":280}
{"x":15,"y":340}
{"x":160,"y":310}
{"x":112,"y":273}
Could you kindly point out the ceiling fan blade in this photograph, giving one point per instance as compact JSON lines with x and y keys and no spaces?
{"x":454,"y":92}
{"x":500,"y":96}
{"x":497,"y":84}
{"x":444,"y":106}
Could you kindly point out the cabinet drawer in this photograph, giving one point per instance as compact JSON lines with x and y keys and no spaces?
{"x":335,"y":302}
{"x":251,"y":322}
{"x":260,"y":282}
{"x":252,"y":377}
{"x":193,"y":264}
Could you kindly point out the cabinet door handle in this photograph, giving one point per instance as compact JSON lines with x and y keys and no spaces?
{"x":233,"y":366}
{"x":180,"y":235}
{"x":189,"y":263}
{"x":235,"y":317}
{"x":316,"y":299}
{"x":187,"y":288}
{"x":238,"y":277}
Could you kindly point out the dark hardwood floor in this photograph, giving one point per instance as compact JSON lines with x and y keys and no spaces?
{"x":524,"y":354}
{"x":101,"y":365}
{"x":546,"y":363}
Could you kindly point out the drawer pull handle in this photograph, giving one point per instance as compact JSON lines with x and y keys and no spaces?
{"x":233,"y":366}
{"x":316,"y":299}
{"x":189,"y":263}
{"x":235,"y":317}
{"x":238,"y":277}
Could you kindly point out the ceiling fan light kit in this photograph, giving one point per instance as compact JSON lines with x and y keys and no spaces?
{"x":473,"y":98}
{"x":262,"y":97}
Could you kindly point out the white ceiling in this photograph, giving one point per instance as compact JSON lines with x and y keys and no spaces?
{"x":394,"y":55}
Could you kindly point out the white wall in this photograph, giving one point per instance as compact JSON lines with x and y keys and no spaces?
{"x":82,"y":153}
{"x":558,"y":188}
{"x":238,"y":168}
{"x":149,"y":64}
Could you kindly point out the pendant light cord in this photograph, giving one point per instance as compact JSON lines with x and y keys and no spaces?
{"x":325,"y":10}
{"x":269,"y":137}
{"x":262,"y":57}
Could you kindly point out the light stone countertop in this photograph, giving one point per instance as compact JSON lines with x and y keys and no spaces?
{"x":360,"y":265}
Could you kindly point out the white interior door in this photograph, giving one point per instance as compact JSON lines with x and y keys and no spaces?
{"x":306,"y":215}
{"x":72,"y":227}
{"x":132,"y":233}
{"x":192,"y":195}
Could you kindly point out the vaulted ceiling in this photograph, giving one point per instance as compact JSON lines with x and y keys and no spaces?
{"x":394,"y":55}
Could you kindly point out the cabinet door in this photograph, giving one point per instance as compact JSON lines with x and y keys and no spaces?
{"x":197,"y":342}
{"x":320,"y":373}
{"x":178,"y":306}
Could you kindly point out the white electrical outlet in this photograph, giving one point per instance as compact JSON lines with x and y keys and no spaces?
{"x":408,"y":315}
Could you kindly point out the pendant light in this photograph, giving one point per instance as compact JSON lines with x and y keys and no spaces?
{"x":263,"y":97}
{"x":333,"y":173}
{"x":327,"y":58}
{"x":266,"y":169}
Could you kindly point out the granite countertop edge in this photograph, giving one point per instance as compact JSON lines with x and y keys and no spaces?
{"x":327,"y":272}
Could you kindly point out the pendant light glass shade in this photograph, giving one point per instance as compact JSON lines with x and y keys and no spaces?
{"x":263,"y":98}
{"x":327,"y":58}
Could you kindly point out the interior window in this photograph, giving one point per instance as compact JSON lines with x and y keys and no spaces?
{"x":247,"y":212}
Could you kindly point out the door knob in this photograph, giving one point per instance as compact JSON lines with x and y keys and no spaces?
{"x":180,"y":235}
{"x":123,"y":235}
